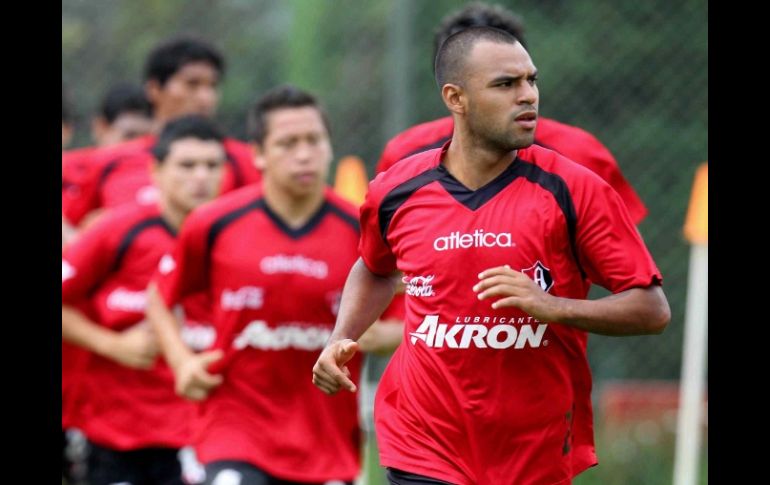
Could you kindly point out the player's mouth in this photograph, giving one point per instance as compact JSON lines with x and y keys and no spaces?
{"x":527,"y":120}
{"x":306,"y":178}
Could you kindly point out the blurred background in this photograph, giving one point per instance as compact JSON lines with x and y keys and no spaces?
{"x":635,"y":74}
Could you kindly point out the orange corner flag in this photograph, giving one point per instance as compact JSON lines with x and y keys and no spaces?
{"x":696,"y":226}
{"x":350,"y":180}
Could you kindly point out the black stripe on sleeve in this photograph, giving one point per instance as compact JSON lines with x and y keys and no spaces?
{"x":134,"y":232}
{"x":398,"y":195}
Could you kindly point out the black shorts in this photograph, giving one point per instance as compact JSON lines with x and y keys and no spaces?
{"x":146,"y":466}
{"x":231,"y":472}
{"x":398,"y":477}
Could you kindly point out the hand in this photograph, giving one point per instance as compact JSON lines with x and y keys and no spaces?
{"x":329,"y":371}
{"x":382,"y":337}
{"x":517,"y":290}
{"x":135,"y":347}
{"x":191,"y":377}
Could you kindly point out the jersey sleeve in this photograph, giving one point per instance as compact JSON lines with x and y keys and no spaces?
{"x":374,"y":250}
{"x":184,"y":271}
{"x":610,"y":248}
{"x":390,"y":155}
{"x":87,"y":261}
{"x":588,"y":151}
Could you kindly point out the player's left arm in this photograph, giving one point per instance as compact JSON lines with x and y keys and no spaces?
{"x":636,"y":311}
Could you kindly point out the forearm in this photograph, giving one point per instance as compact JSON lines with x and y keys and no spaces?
{"x":638,"y":311}
{"x":364,"y":298}
{"x":166,"y":327}
{"x":77,"y":329}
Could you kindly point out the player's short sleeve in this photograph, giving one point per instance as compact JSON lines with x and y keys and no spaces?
{"x":390,"y":155}
{"x":184,"y":271}
{"x":374,"y":250}
{"x":87,"y":260}
{"x":610,"y":248}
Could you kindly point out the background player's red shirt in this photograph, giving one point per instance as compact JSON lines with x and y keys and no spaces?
{"x":574,"y":143}
{"x":120,"y":174}
{"x":109,"y":267}
{"x":275,"y":292}
{"x":476,"y":395}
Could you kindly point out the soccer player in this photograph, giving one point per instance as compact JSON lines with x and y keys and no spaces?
{"x":124,"y":114}
{"x":570,"y":141}
{"x":182,"y":76}
{"x":273,"y":259}
{"x":133,"y":420}
{"x":498,"y":239}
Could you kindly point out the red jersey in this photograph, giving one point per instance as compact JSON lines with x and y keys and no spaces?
{"x":109,"y":268}
{"x":120,"y":174}
{"x":275,"y":293}
{"x":572,"y":142}
{"x":477,"y":395}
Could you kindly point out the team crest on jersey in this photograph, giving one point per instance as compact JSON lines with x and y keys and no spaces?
{"x":167,"y":264}
{"x":540,"y":275}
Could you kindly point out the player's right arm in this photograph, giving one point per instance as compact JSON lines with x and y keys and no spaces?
{"x":86,"y":262}
{"x":179,"y":275}
{"x":364,"y":297}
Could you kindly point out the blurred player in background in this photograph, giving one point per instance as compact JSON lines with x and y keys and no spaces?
{"x":273,"y":259}
{"x":134,"y":421}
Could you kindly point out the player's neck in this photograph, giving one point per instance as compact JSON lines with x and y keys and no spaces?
{"x":173,"y":216}
{"x":472,"y":164}
{"x":293,"y":210}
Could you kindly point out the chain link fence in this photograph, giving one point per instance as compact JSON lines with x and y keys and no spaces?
{"x":632,"y":73}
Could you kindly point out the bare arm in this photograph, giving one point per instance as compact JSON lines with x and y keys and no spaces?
{"x":364,"y":298}
{"x":637,"y":311}
{"x":134,"y":347}
{"x":192,"y":380}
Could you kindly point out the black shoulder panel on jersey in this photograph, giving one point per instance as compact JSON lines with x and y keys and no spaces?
{"x":107,"y":170}
{"x":225,"y":220}
{"x":556,"y":185}
{"x":399,"y":194}
{"x":347,"y":218}
{"x":134,"y":232}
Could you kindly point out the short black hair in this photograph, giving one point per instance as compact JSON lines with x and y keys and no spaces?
{"x":284,"y":96}
{"x":450,"y":58}
{"x":479,"y":14}
{"x":171,"y":55}
{"x":190,"y":126}
{"x":124,"y":98}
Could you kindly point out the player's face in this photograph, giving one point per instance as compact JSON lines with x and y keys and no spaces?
{"x":502,"y":95}
{"x":296,"y":152}
{"x":193,"y":89}
{"x":125,"y":127}
{"x":191,"y":174}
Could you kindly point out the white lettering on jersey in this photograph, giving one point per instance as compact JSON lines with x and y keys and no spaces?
{"x":463,"y":336}
{"x":249,"y":297}
{"x":477,"y":239}
{"x":67,"y":270}
{"x":198,"y":337}
{"x":167,"y":264}
{"x":259,"y":335}
{"x":419,"y":285}
{"x":299,"y":264}
{"x":125,"y":300}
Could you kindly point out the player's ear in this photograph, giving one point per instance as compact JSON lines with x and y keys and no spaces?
{"x":259,"y":160}
{"x":454,"y":98}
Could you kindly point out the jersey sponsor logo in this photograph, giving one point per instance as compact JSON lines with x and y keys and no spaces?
{"x":198,"y":337}
{"x":419,"y":285}
{"x":167,"y":264}
{"x":501,"y":335}
{"x":476,"y":239}
{"x":298,"y":264}
{"x":67,"y":270}
{"x":125,"y":300}
{"x":147,"y":195}
{"x":297,"y":335}
{"x":249,"y":297}
{"x":540,"y":275}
